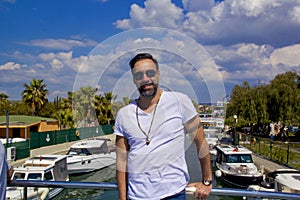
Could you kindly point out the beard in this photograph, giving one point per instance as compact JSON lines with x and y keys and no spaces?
{"x":148,"y":92}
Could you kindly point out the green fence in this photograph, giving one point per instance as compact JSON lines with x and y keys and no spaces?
{"x":285,"y":153}
{"x":22,"y":149}
{"x":42,"y":139}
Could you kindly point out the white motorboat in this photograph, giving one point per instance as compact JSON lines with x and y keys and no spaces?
{"x":43,"y":168}
{"x":90,"y":155}
{"x":235,"y":166}
{"x":280,"y":180}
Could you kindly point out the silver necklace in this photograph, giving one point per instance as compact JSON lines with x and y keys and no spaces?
{"x":139,"y":125}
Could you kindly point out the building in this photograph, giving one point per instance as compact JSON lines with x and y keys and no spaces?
{"x":20,"y":126}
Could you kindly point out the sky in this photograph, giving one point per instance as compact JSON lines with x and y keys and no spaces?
{"x":204,"y":48}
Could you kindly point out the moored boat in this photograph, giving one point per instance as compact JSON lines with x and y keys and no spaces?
{"x":280,"y":180}
{"x":90,"y":155}
{"x":39,"y":168}
{"x":235,"y":166}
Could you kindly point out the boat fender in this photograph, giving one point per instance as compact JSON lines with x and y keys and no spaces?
{"x":218,"y":173}
{"x":45,"y":194}
{"x":77,"y":133}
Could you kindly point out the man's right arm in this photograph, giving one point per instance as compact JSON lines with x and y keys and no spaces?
{"x":122,"y":154}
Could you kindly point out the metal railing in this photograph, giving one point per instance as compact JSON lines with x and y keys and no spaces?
{"x":107,"y":185}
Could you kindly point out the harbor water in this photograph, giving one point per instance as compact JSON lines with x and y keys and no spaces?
{"x":108,"y":175}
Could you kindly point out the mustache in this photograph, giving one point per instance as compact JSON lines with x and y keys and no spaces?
{"x":147,"y":83}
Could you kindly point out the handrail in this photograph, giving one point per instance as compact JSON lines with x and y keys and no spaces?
{"x":108,"y":185}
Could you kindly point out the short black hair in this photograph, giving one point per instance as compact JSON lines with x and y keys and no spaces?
{"x":142,"y":56}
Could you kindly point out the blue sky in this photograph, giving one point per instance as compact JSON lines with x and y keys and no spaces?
{"x":204,"y":47}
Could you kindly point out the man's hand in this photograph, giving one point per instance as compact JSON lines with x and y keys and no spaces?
{"x":201,"y":191}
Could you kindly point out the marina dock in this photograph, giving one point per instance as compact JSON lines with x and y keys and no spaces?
{"x":63,"y":148}
{"x":268,"y":165}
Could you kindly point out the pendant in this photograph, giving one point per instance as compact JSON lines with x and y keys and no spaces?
{"x":147,"y":141}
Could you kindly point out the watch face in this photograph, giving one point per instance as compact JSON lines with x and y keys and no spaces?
{"x":207,"y":182}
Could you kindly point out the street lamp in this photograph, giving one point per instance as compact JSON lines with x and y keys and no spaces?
{"x":235,"y":138}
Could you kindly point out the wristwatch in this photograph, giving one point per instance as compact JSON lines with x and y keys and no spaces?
{"x":207,"y":182}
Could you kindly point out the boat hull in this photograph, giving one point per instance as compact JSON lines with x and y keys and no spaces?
{"x":240,"y":181}
{"x":85,"y":164}
{"x":17,"y":193}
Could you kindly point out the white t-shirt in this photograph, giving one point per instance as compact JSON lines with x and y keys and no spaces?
{"x":159,"y":169}
{"x":3,"y":173}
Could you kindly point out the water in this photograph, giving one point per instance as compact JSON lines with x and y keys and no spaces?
{"x":108,"y":175}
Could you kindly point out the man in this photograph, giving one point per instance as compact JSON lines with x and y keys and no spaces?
{"x":6,"y":172}
{"x":150,"y":140}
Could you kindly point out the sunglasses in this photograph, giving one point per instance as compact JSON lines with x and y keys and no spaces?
{"x":149,"y":73}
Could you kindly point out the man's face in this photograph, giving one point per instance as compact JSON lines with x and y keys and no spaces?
{"x":146,"y":77}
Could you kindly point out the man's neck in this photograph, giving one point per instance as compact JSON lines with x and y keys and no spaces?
{"x":146,"y":103}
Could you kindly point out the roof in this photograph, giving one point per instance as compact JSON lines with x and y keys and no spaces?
{"x":22,"y":120}
{"x":229,"y":149}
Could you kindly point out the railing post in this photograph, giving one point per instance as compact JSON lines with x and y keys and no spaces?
{"x":271,"y":150}
{"x":287,"y":153}
{"x":259,"y":146}
{"x":25,"y":193}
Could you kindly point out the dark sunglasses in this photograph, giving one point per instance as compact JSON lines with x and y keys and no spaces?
{"x":139,"y":75}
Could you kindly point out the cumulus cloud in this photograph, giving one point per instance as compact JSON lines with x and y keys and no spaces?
{"x":288,"y":56}
{"x":249,"y":40}
{"x":61,"y":44}
{"x":161,"y":13}
{"x":10,"y":66}
{"x":227,"y":22}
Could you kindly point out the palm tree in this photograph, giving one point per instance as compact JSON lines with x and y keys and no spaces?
{"x":83,"y":106}
{"x":35,"y":95}
{"x":64,"y":112}
{"x":103,"y":107}
{"x":4,"y":103}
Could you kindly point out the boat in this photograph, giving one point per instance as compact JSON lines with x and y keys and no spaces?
{"x":212,"y":135}
{"x":39,"y":168}
{"x":90,"y":155}
{"x":280,"y":180}
{"x":235,"y":166}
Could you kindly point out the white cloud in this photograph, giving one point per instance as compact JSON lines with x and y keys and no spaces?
{"x":10,"y":66}
{"x":288,"y":56}
{"x":196,"y":5}
{"x":161,"y":13}
{"x":295,"y":14}
{"x":227,"y":22}
{"x":62,"y":44}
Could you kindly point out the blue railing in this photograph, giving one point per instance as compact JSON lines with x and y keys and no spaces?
{"x":107,"y":185}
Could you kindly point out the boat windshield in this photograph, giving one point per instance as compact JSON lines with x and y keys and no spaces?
{"x":239,"y":158}
{"x":211,"y":135}
{"x":34,"y":176}
{"x":81,"y":152}
{"x":19,"y":176}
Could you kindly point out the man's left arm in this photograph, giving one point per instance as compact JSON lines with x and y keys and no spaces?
{"x":195,"y":130}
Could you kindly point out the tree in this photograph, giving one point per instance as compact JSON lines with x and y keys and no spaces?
{"x":4,"y":103}
{"x":241,"y":104}
{"x":64,"y":113}
{"x":284,"y":97}
{"x":104,"y":109}
{"x":83,"y":107}
{"x":35,"y":95}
